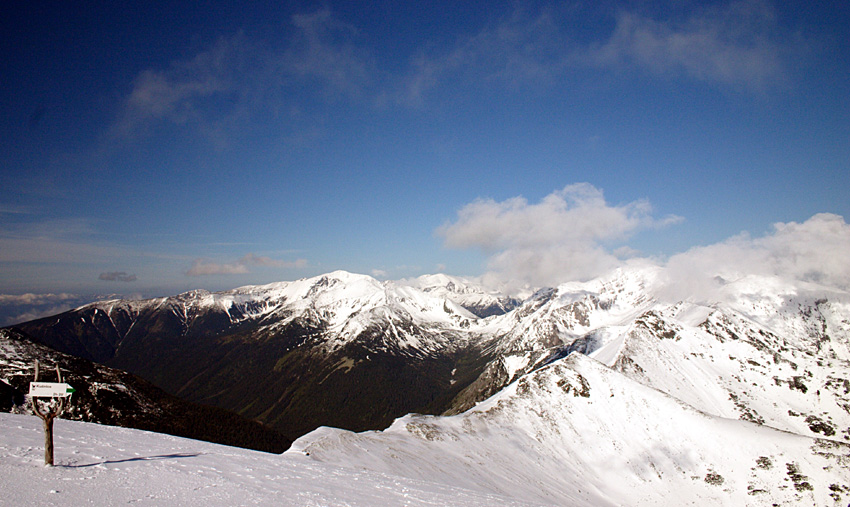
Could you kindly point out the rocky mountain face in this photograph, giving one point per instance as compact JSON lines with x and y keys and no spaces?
{"x":349,"y":351}
{"x":109,"y":396}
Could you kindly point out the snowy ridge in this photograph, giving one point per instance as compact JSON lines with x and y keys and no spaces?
{"x":342,"y":304}
{"x":559,"y":316}
{"x":730,"y":366}
{"x":579,"y":433}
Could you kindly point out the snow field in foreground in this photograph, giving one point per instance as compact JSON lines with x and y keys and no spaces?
{"x":103,"y":465}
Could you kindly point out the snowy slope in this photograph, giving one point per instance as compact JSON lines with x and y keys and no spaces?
{"x":762,"y":349}
{"x":768,"y":352}
{"x":579,"y":433}
{"x":465,"y":292}
{"x":573,"y":433}
{"x":102,"y":465}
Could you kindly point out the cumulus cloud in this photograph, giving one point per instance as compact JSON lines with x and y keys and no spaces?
{"x":813,"y":251}
{"x":202,"y":267}
{"x":117,"y":276}
{"x":566,"y":236}
{"x":573,"y":234}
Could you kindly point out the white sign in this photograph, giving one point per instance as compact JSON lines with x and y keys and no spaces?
{"x":50,"y":389}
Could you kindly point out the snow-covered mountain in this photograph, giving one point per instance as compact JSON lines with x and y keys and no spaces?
{"x":764,"y":349}
{"x":347,"y":350}
{"x":340,"y":349}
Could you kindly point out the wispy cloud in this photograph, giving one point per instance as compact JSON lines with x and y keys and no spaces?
{"x":181,"y":93}
{"x":520,"y":49}
{"x":117,"y":276}
{"x":12,"y":209}
{"x":71,"y":240}
{"x":323,"y":50}
{"x":238,"y":77}
{"x":203,"y":267}
{"x":735,"y":44}
{"x":563,"y":237}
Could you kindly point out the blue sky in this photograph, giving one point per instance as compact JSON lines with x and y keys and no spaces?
{"x":158,"y":147}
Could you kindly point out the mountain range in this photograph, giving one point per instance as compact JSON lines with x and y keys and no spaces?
{"x":350,"y":352}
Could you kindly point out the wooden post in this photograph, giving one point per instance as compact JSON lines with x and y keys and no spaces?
{"x":50,"y":412}
{"x":48,"y":440}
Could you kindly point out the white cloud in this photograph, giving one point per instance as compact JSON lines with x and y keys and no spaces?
{"x":563,"y":237}
{"x":16,"y":308}
{"x":379,"y":273}
{"x":573,"y":234}
{"x":202,"y":267}
{"x":815,"y":251}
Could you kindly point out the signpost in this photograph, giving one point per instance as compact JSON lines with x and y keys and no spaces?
{"x":50,"y":389}
{"x":58,"y":392}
